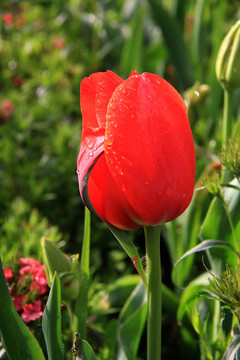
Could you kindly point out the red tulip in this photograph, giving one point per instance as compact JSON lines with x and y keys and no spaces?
{"x":136,"y":165}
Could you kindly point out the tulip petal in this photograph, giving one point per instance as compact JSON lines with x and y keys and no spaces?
{"x":107,"y":199}
{"x":149,"y":148}
{"x":95,"y":93}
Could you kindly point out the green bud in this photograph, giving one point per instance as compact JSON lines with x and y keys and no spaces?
{"x":227,"y":289}
{"x":54,"y":259}
{"x":228,"y":64}
{"x":212,"y":184}
{"x":68,"y":269}
{"x":230,"y":156}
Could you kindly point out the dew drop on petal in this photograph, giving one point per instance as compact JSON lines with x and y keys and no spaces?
{"x":123,"y":188}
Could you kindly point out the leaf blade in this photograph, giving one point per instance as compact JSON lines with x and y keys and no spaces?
{"x":51,"y":322}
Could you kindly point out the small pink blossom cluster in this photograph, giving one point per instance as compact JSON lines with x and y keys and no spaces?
{"x":59,"y":43}
{"x":8,"y":18}
{"x":6,"y":109}
{"x":28,"y":288}
{"x":16,"y":20}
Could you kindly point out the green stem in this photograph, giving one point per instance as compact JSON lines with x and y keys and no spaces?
{"x":231,"y":226}
{"x":85,"y":257}
{"x":154,"y":326}
{"x":227,"y":115}
{"x":81,"y":303}
{"x":227,"y":125}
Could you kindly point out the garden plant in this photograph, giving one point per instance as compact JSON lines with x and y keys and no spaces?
{"x":120,"y":213}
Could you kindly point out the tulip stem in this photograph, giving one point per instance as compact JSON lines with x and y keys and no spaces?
{"x":227,"y":123}
{"x":227,"y":115}
{"x":154,"y":322}
{"x":81,"y":303}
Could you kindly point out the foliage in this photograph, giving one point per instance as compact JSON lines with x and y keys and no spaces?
{"x":46,"y":48}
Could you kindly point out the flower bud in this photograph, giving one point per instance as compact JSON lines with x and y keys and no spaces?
{"x":54,"y":259}
{"x":226,"y":289}
{"x":228,"y":64}
{"x":67,"y":268}
{"x":230,"y":156}
{"x":213,"y":186}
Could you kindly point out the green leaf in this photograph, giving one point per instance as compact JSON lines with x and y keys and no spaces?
{"x":170,"y":301}
{"x":216,"y":226}
{"x":131,"y":323}
{"x":175,"y":42}
{"x":54,"y":259}
{"x":51,"y":322}
{"x":130,"y":249}
{"x":233,"y":351}
{"x":203,"y":246}
{"x":19,"y":341}
{"x":189,"y":295}
{"x":179,"y":241}
{"x":81,"y":303}
{"x":82,"y":349}
{"x":132,"y":50}
{"x":88,"y":351}
{"x":117,"y":292}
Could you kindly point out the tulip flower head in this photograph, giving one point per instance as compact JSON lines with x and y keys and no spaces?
{"x":136,"y":165}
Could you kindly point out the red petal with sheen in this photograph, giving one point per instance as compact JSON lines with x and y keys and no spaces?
{"x":136,"y":164}
{"x":149,"y":148}
{"x":95,"y":93}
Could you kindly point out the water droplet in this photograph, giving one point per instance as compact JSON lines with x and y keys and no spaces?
{"x":112,"y":106}
{"x":119,"y":169}
{"x":108,"y":140}
{"x":114,"y":124}
{"x":90,"y":154}
{"x":99,"y":101}
{"x":123,"y":188}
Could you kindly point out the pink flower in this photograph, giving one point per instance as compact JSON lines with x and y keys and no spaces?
{"x":35,"y":270}
{"x":32,"y":312}
{"x":28,"y":288}
{"x":8,"y":18}
{"x":6,"y":109}
{"x":8,"y":274}
{"x":19,"y":301}
{"x":59,"y":43}
{"x":28,"y":261}
{"x":38,"y":287}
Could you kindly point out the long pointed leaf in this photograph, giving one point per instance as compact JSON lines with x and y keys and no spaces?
{"x":233,"y":351}
{"x":216,"y":226}
{"x":51,"y":322}
{"x":203,"y":246}
{"x":175,"y":42}
{"x":82,"y":350}
{"x":19,"y":341}
{"x":81,"y":304}
{"x":131,"y":323}
{"x":132,"y":50}
{"x":130,"y":249}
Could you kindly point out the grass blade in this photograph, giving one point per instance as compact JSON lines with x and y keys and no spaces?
{"x":175,"y":42}
{"x":51,"y":322}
